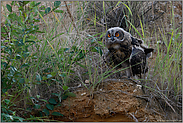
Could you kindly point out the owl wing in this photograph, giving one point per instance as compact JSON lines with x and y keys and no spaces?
{"x":135,"y":41}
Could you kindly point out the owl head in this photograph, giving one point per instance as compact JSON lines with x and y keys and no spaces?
{"x":117,"y":35}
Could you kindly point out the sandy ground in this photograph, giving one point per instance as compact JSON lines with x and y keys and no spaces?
{"x":113,"y":101}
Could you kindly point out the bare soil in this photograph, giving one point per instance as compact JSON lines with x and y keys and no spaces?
{"x":114,"y":101}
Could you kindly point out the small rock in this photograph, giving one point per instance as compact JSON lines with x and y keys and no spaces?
{"x":139,"y":86}
{"x":83,"y":94}
{"x":87,"y":81}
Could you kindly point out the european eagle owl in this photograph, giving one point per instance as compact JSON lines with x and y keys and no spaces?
{"x":119,"y":44}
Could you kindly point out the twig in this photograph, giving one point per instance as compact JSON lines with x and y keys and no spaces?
{"x":169,"y":105}
{"x":74,"y":88}
{"x":164,"y":97}
{"x":142,"y":97}
{"x":157,"y":112}
{"x":70,"y":15}
{"x":134,"y":117}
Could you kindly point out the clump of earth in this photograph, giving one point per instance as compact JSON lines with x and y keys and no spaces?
{"x":112,"y":101}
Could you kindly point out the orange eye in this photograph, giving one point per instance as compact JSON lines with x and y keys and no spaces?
{"x":109,"y":35}
{"x":117,"y":34}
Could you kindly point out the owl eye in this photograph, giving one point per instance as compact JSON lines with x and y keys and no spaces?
{"x":117,"y":34}
{"x":109,"y":35}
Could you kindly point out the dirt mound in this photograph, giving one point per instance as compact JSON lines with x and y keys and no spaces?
{"x":120,"y":101}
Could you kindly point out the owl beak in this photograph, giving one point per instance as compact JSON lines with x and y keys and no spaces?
{"x":112,"y":38}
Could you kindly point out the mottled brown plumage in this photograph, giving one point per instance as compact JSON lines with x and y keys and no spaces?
{"x":119,"y":44}
{"x":120,"y":54}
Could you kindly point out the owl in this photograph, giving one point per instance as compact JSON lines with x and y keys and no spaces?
{"x":138,"y":60}
{"x":119,"y":44}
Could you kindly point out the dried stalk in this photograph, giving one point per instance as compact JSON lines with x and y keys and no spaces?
{"x":71,"y":17}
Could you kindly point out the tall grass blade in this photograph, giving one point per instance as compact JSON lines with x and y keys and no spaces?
{"x":135,"y":29}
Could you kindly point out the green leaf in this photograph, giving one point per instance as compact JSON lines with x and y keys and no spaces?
{"x":49,"y":106}
{"x":53,"y":73}
{"x":101,"y":43}
{"x":4,"y":90}
{"x":100,"y":51}
{"x":59,"y":11}
{"x":36,"y":106}
{"x":46,"y":111}
{"x":57,"y":114}
{"x":3,"y":109}
{"x":7,"y":101}
{"x":37,"y":4}
{"x":55,"y":94}
{"x":13,"y":68}
{"x":58,"y":105}
{"x":43,"y":100}
{"x":22,"y":80}
{"x":52,"y":101}
{"x":9,"y":7}
{"x":13,"y":2}
{"x":32,"y":98}
{"x":44,"y":78}
{"x":94,"y":49}
{"x":38,"y":77}
{"x":70,"y":94}
{"x":102,"y":35}
{"x":66,"y":49}
{"x":34,"y":57}
{"x":49,"y":76}
{"x":47,"y":10}
{"x":62,"y":75}
{"x":64,"y":97}
{"x":25,"y":2}
{"x":57,"y":3}
{"x":7,"y":116}
{"x":38,"y":83}
{"x":30,"y":42}
{"x":38,"y":96}
{"x":24,"y":65}
{"x":19,"y":118}
{"x":65,"y":87}
{"x":21,"y":8}
{"x":97,"y":49}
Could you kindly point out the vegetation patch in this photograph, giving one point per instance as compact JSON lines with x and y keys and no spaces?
{"x":50,"y":51}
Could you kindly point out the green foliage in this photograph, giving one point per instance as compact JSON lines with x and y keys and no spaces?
{"x":57,"y":3}
{"x":57,"y":114}
{"x":37,"y":56}
{"x":52,"y":101}
{"x":46,"y":112}
{"x":49,"y":106}
{"x":19,"y":32}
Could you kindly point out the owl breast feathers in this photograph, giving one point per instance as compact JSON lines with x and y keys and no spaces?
{"x":119,"y":44}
